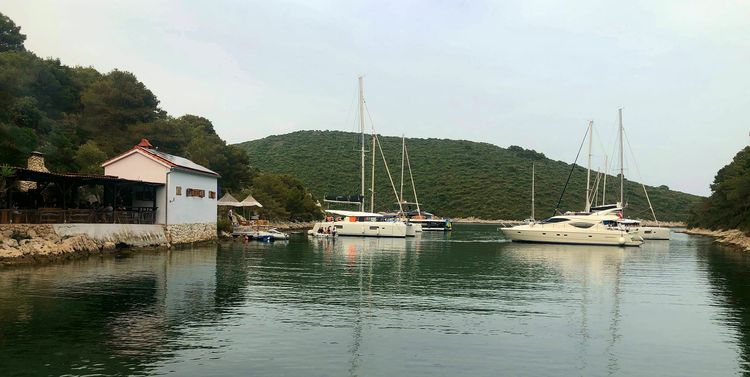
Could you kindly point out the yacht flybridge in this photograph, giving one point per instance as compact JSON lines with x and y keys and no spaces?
{"x":598,"y":227}
{"x":356,"y":223}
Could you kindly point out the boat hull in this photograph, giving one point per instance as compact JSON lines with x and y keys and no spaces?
{"x":655,"y":233}
{"x":433,"y":225}
{"x":363,"y":228}
{"x":569,"y":236}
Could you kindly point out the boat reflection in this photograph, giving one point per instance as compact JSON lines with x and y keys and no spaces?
{"x":596,"y":273}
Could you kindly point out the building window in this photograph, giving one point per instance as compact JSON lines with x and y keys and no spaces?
{"x":195,"y":192}
{"x":178,"y":190}
{"x":211,"y":195}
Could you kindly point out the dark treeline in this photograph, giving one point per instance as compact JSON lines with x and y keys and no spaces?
{"x":728,"y":207}
{"x":79,"y":117}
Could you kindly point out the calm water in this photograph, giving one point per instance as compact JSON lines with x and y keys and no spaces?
{"x":467,"y":303}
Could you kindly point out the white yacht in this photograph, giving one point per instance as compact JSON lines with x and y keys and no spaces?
{"x":595,"y":228}
{"x":361,"y":223}
{"x":355,"y":223}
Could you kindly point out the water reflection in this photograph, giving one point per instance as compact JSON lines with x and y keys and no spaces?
{"x":727,"y":270}
{"x":461,"y":303}
{"x":102,"y":315}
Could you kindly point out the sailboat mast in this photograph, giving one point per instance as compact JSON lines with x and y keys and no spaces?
{"x":622,"y":165}
{"x":362,"y":130}
{"x":604,"y":186}
{"x":403,"y":149}
{"x":411,"y":176}
{"x":588,"y":169}
{"x":532,"y":190}
{"x":372,"y":186}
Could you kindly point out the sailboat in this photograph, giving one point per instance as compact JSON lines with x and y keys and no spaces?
{"x":359,"y":223}
{"x":423,"y":221}
{"x":646,"y":232}
{"x":594,"y":226}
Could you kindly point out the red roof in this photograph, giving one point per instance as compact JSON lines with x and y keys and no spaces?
{"x":145,"y":148}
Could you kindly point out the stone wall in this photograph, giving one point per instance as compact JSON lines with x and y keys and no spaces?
{"x":188,"y":233}
{"x":138,"y":235}
{"x":31,"y":242}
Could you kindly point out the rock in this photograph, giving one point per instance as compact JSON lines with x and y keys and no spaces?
{"x":10,"y":253}
{"x":79,"y":243}
{"x":10,"y":243}
{"x":31,"y":233}
{"x":109,"y":245}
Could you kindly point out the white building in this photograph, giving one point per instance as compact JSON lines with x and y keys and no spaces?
{"x":186,"y":201}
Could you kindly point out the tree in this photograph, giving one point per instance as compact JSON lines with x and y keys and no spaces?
{"x":11,"y":38}
{"x":25,"y":113}
{"x":728,"y":207}
{"x":89,"y":158}
{"x":114,"y":102}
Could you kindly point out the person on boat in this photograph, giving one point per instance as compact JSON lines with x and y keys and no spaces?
{"x":320,"y":230}
{"x":333,"y":231}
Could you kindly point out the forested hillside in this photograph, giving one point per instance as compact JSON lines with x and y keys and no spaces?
{"x":79,"y":117}
{"x":728,"y":207}
{"x":453,"y":177}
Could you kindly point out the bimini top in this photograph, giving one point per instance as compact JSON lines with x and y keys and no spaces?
{"x":353,"y":213}
{"x":145,"y":148}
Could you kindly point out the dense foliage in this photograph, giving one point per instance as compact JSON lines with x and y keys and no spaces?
{"x":283,"y":197}
{"x":79,"y":117}
{"x":728,"y":207}
{"x":453,"y":177}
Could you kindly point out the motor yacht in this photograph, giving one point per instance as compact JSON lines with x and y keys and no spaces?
{"x":595,"y":228}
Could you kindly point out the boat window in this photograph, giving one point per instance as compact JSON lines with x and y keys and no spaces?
{"x":339,"y":227}
{"x":374,"y":227}
{"x":553,"y":220}
{"x":582,"y":225}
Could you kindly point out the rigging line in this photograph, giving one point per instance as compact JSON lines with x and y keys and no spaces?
{"x":385,"y":162}
{"x":572,"y":167}
{"x":638,"y":171}
{"x":349,"y":112}
{"x":395,"y":193}
{"x":413,"y":186}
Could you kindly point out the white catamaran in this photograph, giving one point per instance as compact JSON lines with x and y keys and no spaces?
{"x":361,"y":223}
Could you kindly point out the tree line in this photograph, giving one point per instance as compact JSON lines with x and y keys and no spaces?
{"x":728,"y":207}
{"x":79,"y":117}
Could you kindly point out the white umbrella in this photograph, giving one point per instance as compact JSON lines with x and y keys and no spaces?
{"x":228,"y":200}
{"x":250,"y":202}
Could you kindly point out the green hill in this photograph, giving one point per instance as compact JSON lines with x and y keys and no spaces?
{"x":455,"y":178}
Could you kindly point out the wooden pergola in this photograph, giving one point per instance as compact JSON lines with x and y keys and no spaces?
{"x":55,"y":198}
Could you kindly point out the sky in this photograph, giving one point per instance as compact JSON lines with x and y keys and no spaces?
{"x":531,"y":73}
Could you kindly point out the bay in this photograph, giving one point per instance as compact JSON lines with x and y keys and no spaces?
{"x":463,"y":303}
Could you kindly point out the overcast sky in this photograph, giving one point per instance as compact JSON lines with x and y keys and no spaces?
{"x":526,"y":72}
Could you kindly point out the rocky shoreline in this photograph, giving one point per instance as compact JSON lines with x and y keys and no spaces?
{"x":732,"y":237}
{"x":36,"y":243}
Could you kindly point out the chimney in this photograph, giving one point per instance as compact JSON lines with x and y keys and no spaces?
{"x":36,"y":162}
{"x":145,"y":144}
